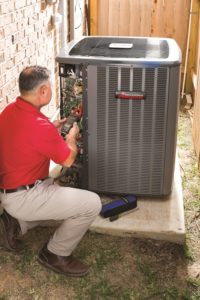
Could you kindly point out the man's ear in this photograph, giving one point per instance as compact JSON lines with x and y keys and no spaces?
{"x":43,"y":90}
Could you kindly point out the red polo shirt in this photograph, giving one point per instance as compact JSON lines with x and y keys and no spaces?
{"x":28,"y":140}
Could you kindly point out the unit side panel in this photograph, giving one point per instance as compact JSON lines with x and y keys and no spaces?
{"x":172,"y":118}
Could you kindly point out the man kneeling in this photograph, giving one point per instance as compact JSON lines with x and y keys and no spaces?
{"x":28,"y":142}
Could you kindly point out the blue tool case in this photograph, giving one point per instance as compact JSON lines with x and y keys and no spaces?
{"x":124,"y":203}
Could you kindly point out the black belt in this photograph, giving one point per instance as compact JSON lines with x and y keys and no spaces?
{"x":21,"y":188}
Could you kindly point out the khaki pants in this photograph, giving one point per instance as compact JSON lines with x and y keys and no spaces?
{"x":48,"y":201}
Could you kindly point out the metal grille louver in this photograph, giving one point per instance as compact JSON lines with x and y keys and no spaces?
{"x":129,"y":135}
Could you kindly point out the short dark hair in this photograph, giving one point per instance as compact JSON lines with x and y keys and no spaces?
{"x":31,"y":77}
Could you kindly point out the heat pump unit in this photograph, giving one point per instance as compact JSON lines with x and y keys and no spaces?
{"x":126,"y":93}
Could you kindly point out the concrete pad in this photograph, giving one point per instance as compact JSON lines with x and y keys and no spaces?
{"x":155,"y":218}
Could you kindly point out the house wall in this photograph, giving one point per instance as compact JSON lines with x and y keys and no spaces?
{"x":27,"y":37}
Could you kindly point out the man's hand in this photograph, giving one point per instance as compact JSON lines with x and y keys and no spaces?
{"x":58,"y":123}
{"x":74,"y":131}
{"x":71,"y":139}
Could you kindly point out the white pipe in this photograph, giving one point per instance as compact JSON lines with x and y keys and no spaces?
{"x":72,"y":19}
{"x":63,"y":12}
{"x":187,"y":50}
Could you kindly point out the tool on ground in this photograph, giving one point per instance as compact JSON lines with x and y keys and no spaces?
{"x":114,"y":208}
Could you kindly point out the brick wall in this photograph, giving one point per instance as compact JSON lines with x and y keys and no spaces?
{"x":27,"y":37}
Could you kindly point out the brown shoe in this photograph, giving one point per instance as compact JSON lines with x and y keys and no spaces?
{"x":10,"y":229}
{"x":67,"y":265}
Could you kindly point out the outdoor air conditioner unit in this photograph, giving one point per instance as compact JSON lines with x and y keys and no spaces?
{"x":130,"y":102}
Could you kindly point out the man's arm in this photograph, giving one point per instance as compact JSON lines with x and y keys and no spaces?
{"x":71,"y":143}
